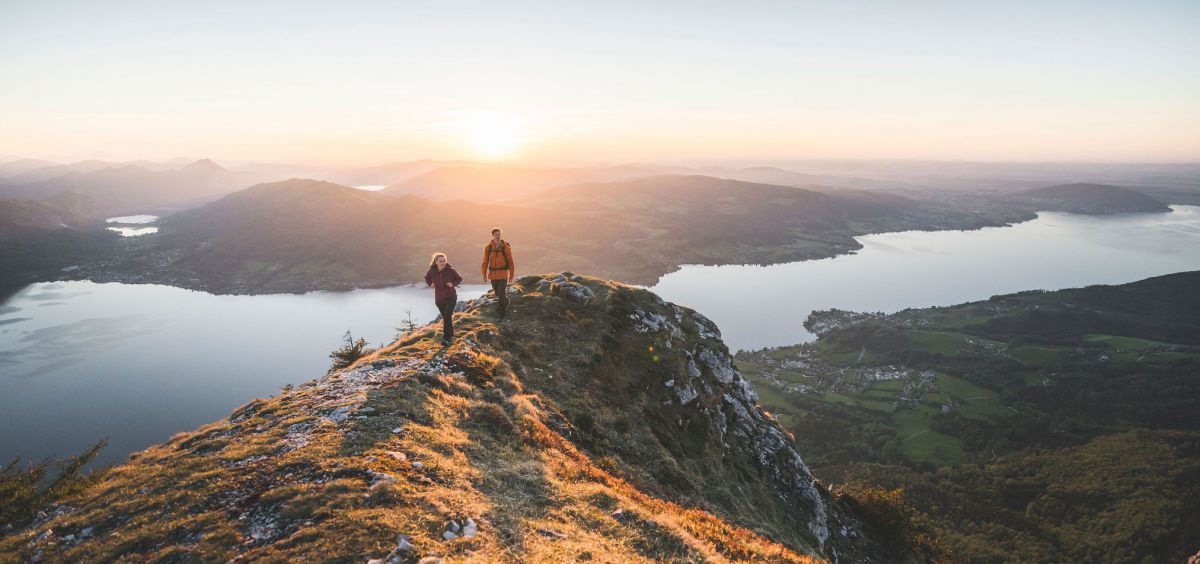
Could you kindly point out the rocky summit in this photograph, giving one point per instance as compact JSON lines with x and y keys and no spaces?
{"x":598,"y":422}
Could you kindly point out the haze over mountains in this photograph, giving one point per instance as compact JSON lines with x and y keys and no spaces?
{"x":226,"y":233}
{"x":1093,"y":199}
{"x":300,"y":235}
{"x":486,"y":183}
{"x":134,"y":188}
{"x":65,"y":210}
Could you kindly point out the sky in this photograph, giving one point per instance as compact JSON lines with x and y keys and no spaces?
{"x":360,"y":83}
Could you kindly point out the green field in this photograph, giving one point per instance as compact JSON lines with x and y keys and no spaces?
{"x":916,"y":439}
{"x":947,"y":343}
{"x":918,"y":442}
{"x":858,"y":401}
{"x":1040,"y":355}
{"x":1117,"y":342}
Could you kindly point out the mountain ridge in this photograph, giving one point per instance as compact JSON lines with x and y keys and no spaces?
{"x":488,"y":183}
{"x":634,"y":230}
{"x":1095,"y":199}
{"x":128,"y":188}
{"x":599,"y":421}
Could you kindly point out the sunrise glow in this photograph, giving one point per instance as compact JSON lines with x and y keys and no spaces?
{"x":493,"y":136}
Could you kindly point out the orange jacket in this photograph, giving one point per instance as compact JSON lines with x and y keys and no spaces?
{"x":498,"y":264}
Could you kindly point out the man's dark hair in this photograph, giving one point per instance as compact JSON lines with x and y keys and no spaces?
{"x":496,"y":230}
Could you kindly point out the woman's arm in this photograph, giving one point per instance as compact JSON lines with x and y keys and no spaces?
{"x":429,"y":277}
{"x":455,"y":277}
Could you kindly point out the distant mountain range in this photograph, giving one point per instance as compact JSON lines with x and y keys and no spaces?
{"x":40,"y":238}
{"x":494,"y":183}
{"x":485,"y":182}
{"x":389,"y":173}
{"x":66,"y":210}
{"x":133,"y":188}
{"x":302,"y":235}
{"x":628,"y":222}
{"x":1093,"y":199}
{"x":19,"y":173}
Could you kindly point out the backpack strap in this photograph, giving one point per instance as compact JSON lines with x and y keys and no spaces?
{"x":503,"y":253}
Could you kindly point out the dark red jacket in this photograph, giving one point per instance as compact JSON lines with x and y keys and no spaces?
{"x":439,"y":278}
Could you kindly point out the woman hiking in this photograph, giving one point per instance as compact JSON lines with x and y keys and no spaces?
{"x":444,"y":280}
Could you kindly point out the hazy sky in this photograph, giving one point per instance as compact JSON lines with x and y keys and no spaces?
{"x":369,"y":82}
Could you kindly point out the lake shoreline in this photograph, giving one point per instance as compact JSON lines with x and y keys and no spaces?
{"x":160,"y":358}
{"x":160,"y":273}
{"x":930,"y":268}
{"x":135,"y":260}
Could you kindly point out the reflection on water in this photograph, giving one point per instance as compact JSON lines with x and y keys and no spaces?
{"x":138,"y":363}
{"x":133,"y":225}
{"x":134,"y":231}
{"x":46,"y":293}
{"x":46,"y":349}
{"x":133,"y":219}
{"x":759,"y":306}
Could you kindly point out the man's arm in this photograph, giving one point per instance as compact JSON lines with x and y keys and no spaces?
{"x":484,"y":269}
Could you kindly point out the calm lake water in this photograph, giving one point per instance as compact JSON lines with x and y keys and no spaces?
{"x":763,"y":306}
{"x":80,"y":361}
{"x":135,"y":219}
{"x":133,"y":225}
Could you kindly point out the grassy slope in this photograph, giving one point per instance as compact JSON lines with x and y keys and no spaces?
{"x":1029,"y":353}
{"x":1125,"y":497}
{"x":1045,"y":456}
{"x":553,"y":431}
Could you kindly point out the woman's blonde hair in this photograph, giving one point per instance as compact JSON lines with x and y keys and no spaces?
{"x":433,"y":259}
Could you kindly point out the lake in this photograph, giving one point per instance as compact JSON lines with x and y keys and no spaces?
{"x":80,"y":361}
{"x":765,"y":306}
{"x":137,"y":363}
{"x":133,"y":225}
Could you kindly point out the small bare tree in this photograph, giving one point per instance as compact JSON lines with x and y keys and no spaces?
{"x":407,"y":325}
{"x":351,"y":350}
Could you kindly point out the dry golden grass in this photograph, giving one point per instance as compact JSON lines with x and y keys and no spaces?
{"x":281,"y":480}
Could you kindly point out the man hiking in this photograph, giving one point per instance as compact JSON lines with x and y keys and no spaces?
{"x":499,"y":268}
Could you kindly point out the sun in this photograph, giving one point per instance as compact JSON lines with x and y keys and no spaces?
{"x":493,"y":136}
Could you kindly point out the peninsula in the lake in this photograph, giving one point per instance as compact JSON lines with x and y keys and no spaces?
{"x":1093,"y":199}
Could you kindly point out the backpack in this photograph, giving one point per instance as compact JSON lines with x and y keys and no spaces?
{"x":492,"y":249}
